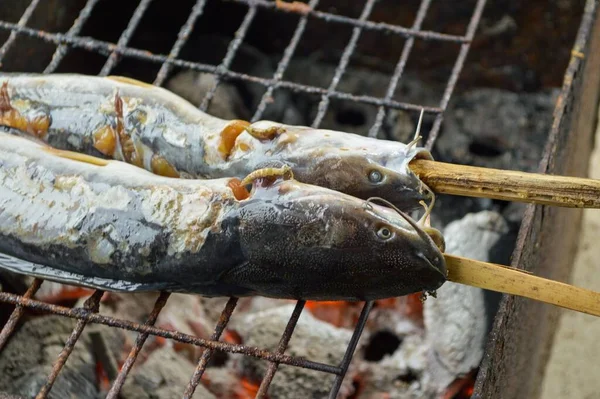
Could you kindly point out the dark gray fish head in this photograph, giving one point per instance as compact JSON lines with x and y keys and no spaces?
{"x":308,"y":242}
{"x":368,"y":175}
{"x":360,"y":166}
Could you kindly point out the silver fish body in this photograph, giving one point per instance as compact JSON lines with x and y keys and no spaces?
{"x":111,"y":225}
{"x":152,"y":128}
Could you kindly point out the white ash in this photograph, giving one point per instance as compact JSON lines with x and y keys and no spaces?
{"x":475,"y":235}
{"x":391,"y":319}
{"x":455,"y":321}
{"x":240,"y":98}
{"x":312,"y":339}
{"x":134,"y":306}
{"x":259,"y":303}
{"x":164,"y":375}
{"x":28,"y":357}
{"x":223,"y":382}
{"x":398,"y":375}
{"x":186,"y":314}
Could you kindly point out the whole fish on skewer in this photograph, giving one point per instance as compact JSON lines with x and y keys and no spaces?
{"x":150,"y":127}
{"x":83,"y":220}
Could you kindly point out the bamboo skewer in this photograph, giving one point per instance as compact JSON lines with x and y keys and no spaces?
{"x":515,"y":282}
{"x":508,"y":185}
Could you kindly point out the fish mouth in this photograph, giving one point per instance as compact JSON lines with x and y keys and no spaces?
{"x":439,"y":265}
{"x":438,"y":274}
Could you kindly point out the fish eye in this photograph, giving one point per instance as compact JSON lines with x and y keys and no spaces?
{"x":375,"y":176}
{"x":384,"y":233}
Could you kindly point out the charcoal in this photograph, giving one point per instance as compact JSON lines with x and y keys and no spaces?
{"x":188,"y":314}
{"x":248,"y":60}
{"x":193,"y":85}
{"x":43,"y":338}
{"x":259,"y":303}
{"x":497,"y":129}
{"x":135,"y":307}
{"x":8,"y":396}
{"x":29,"y":54}
{"x":356,"y":117}
{"x":489,"y":227}
{"x":313,"y":339}
{"x":492,"y":128}
{"x":164,"y":375}
{"x":223,"y":382}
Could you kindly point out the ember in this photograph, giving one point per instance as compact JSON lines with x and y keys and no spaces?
{"x":345,"y":314}
{"x":338,"y":313}
{"x":102,"y":378}
{"x":462,"y":388}
{"x":247,"y":389}
{"x":63,"y":293}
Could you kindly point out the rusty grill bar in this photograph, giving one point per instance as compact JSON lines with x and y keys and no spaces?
{"x":116,"y":52}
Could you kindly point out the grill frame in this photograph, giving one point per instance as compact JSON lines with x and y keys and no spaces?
{"x":491,"y":374}
{"x":548,"y":236}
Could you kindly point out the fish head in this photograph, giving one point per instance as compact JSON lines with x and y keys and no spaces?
{"x":309,"y":242}
{"x":366,"y":175}
{"x":361,"y":166}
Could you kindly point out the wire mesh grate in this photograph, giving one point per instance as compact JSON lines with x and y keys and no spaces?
{"x":115,"y":53}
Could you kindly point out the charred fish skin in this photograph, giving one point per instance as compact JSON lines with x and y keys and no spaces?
{"x":116,"y":225}
{"x":150,"y":127}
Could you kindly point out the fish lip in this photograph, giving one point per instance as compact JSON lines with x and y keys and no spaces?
{"x":440,"y":268}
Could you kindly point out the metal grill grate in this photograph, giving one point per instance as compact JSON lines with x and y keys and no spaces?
{"x":116,"y":52}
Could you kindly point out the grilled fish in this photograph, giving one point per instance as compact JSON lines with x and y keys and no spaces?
{"x":147,"y":126}
{"x":78,"y":219}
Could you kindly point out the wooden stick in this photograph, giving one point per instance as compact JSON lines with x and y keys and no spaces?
{"x":508,"y":185}
{"x":512,"y":281}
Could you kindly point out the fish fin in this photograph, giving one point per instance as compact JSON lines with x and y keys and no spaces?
{"x":76,"y":156}
{"x":31,"y":269}
{"x":233,"y":275}
{"x":131,"y":81}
